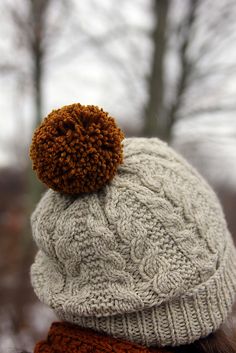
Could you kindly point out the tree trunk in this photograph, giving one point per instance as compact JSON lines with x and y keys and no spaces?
{"x":38,"y":10}
{"x":154,"y":111}
{"x":37,"y":77}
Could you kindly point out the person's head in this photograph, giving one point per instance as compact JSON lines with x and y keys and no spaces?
{"x":132,"y":241}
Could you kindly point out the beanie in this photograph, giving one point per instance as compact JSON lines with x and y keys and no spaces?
{"x":132,"y":240}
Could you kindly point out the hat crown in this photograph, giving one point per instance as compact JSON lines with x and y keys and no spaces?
{"x":155,"y":233}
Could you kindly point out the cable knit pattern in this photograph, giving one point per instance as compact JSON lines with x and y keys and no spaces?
{"x":148,"y":258}
{"x":67,"y":338}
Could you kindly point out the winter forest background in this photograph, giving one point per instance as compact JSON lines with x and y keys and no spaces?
{"x":163,"y":68}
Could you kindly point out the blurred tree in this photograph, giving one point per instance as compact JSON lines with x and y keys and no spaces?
{"x":154,"y":110}
{"x":37,"y":24}
{"x":159,"y":118}
{"x":34,"y":34}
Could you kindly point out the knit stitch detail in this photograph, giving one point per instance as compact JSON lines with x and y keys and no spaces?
{"x":148,"y":258}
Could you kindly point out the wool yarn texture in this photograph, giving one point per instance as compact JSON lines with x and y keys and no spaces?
{"x":147,"y":258}
{"x":65,"y":337}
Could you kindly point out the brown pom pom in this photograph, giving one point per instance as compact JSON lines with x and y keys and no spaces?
{"x":77,"y":149}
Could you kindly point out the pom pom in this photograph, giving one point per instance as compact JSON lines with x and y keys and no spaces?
{"x":77,"y":149}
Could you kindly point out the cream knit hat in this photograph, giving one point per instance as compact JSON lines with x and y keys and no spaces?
{"x":147,"y":258}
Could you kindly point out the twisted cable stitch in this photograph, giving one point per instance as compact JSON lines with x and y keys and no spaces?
{"x":148,"y":255}
{"x":105,"y":274}
{"x":148,"y":258}
{"x":170,"y":195}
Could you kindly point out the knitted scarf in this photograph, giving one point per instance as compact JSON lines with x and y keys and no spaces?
{"x":65,"y":337}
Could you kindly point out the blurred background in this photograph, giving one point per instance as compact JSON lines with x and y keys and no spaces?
{"x":164,"y":68}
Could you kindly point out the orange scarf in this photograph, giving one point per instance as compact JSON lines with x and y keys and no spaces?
{"x":65,"y":337}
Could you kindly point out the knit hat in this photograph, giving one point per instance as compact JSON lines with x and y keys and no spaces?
{"x":140,"y":250}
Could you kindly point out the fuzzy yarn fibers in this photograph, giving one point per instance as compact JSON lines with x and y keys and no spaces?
{"x":148,"y":258}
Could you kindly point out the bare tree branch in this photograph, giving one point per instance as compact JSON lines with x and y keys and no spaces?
{"x":211,"y":110}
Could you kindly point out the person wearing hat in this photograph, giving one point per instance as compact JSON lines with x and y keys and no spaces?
{"x":134,"y":251}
